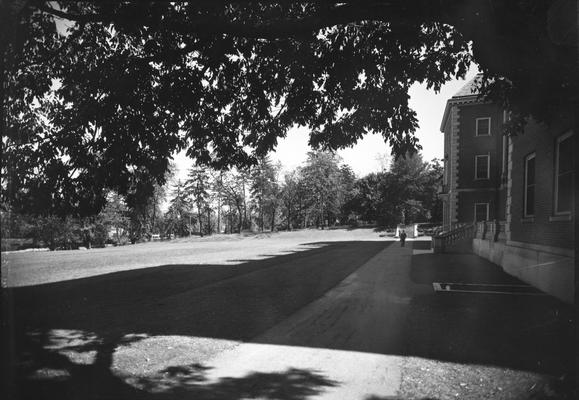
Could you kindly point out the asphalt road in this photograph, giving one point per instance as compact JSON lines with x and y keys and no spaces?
{"x":343,"y":320}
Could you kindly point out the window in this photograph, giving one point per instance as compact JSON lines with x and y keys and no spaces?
{"x":529,"y":199}
{"x":564,"y":174}
{"x":482,"y":167}
{"x":481,"y":212}
{"x":483,"y":126}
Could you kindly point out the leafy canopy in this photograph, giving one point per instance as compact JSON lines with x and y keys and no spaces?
{"x":105,"y":104}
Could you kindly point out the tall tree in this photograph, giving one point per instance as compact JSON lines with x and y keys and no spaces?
{"x":290,"y":197}
{"x":218,"y":195}
{"x":178,"y":216}
{"x":321,"y":174}
{"x":406,"y":193}
{"x":197,"y":186}
{"x":346,"y":191}
{"x":264,"y":190}
{"x":115,"y":217}
{"x":232,"y":187}
{"x":144,"y":200}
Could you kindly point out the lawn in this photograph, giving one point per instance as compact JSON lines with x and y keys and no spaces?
{"x":84,"y":324}
{"x":33,"y":268}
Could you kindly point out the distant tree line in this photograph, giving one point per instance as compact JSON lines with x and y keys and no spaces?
{"x":321,"y":193}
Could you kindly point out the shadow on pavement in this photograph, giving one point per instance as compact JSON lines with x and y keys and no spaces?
{"x":525,"y":332}
{"x":396,"y":398}
{"x":238,"y":302}
{"x":97,"y":381}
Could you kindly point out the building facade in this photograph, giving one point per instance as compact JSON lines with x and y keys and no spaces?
{"x":524,"y":203}
{"x":474,"y":181}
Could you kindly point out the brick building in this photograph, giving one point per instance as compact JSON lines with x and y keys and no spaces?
{"x":524,"y":206}
{"x":474,"y":160}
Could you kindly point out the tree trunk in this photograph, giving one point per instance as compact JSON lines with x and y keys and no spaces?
{"x":218,"y":215}
{"x":260,"y":216}
{"x":244,"y":205}
{"x":200,"y":223}
{"x":240,"y":209}
{"x":273,"y":210}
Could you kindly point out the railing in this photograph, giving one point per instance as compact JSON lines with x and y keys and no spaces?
{"x":491,"y":230}
{"x":442,"y":241}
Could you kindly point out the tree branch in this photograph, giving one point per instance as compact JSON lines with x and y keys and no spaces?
{"x":333,"y":14}
{"x":81,"y":18}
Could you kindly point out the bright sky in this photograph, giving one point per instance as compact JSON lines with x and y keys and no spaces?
{"x":369,"y":153}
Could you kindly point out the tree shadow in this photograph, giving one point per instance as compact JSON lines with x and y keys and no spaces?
{"x":90,"y":318}
{"x":62,"y":336}
{"x":98,"y":381}
{"x":190,"y":381}
{"x":397,"y":398}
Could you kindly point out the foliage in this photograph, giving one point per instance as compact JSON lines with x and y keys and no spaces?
{"x":265,"y":191}
{"x":179,"y":216}
{"x":346,"y":192}
{"x":321,"y":193}
{"x":406,"y":193}
{"x":197,"y":187}
{"x":56,"y":232}
{"x":114,"y":217}
{"x":321,"y":175}
{"x":130,"y":84}
{"x":365,"y":197}
{"x":14,"y":225}
{"x":144,"y":200}
{"x":290,"y":198}
{"x":233,"y":186}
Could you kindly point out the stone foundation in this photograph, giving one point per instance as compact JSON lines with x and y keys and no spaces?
{"x":552,"y":270}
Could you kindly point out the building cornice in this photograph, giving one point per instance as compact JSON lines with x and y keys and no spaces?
{"x":455,"y":101}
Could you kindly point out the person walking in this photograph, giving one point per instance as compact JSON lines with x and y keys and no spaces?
{"x":402,"y":238}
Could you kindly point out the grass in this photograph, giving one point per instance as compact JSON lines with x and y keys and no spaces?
{"x":32,"y":268}
{"x":191,"y":298}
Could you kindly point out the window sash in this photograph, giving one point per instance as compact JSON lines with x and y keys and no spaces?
{"x":483,"y":126}
{"x":478,"y":207}
{"x":529,"y":195}
{"x":564,"y":175}
{"x":482,"y":173}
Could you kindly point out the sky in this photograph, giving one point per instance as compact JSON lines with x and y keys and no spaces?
{"x":370,"y":154}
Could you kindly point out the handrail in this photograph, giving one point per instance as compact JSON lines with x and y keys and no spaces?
{"x":458,"y":231}
{"x":494,"y":230}
{"x":442,"y":240}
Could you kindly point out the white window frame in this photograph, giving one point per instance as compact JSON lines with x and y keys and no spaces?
{"x":487,"y":213}
{"x":561,"y":138}
{"x":529,"y":157}
{"x":476,"y":157}
{"x":476,"y":126}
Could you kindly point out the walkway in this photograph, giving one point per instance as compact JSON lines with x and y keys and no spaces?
{"x":360,"y":315}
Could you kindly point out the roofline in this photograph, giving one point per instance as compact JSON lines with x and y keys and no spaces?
{"x":457,"y":100}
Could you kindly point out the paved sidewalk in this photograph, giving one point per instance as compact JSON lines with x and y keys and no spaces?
{"x":377,"y":332}
{"x":345,"y":337}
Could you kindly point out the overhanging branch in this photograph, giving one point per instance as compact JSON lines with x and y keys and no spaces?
{"x":337,"y":13}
